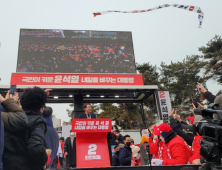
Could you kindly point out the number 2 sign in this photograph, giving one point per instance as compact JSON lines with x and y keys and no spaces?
{"x":92,"y":152}
{"x":162,"y":94}
{"x":164,"y":103}
{"x":92,"y":149}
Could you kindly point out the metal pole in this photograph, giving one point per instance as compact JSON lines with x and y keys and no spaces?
{"x":78,"y":105}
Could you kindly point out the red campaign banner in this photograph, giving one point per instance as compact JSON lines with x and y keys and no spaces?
{"x":76,"y":79}
{"x":91,"y":125}
{"x":92,"y":149}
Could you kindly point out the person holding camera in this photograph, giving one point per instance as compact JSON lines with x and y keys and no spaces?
{"x":12,"y":118}
{"x":205,"y":94}
{"x":24,"y":148}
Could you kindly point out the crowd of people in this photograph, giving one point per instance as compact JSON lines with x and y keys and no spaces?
{"x":171,"y":143}
{"x":29,"y":141}
{"x":62,"y":55}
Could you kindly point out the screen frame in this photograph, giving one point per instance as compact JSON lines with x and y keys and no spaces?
{"x":76,"y":30}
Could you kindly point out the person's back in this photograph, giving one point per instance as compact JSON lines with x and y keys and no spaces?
{"x":24,"y":149}
{"x":178,"y":151}
{"x":51,"y":136}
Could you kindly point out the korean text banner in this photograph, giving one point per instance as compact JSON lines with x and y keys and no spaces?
{"x":191,"y":8}
{"x":76,"y":79}
{"x":91,"y":125}
{"x":165,"y":104}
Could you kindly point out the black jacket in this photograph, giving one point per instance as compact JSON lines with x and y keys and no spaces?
{"x":71,"y":157}
{"x":209,"y":96}
{"x":113,"y":140}
{"x":125,"y":155}
{"x":83,"y":116}
{"x":109,"y":137}
{"x":120,"y":139}
{"x":24,"y":149}
{"x":115,"y":160}
{"x":175,"y":125}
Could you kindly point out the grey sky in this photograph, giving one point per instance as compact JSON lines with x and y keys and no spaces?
{"x":163,"y":35}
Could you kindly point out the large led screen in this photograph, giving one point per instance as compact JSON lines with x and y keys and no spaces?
{"x":72,"y":51}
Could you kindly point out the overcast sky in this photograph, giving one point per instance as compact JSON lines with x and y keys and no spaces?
{"x":164,"y":35}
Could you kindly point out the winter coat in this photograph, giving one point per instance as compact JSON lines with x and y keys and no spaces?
{"x":209,"y":96}
{"x":109,"y":137}
{"x":115,"y":160}
{"x":13,"y":118}
{"x":153,"y":146}
{"x":71,"y":157}
{"x":162,"y":151}
{"x":125,"y":155}
{"x":195,"y":149}
{"x":176,"y":126}
{"x":120,"y":139}
{"x":143,"y":156}
{"x":51,"y":140}
{"x":24,"y":149}
{"x":113,"y":140}
{"x":178,"y":152}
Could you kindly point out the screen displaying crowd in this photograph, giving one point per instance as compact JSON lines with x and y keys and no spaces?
{"x":61,"y":51}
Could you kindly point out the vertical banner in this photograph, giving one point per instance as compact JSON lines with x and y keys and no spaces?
{"x":163,"y":104}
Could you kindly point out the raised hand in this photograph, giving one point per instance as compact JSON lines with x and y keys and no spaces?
{"x":171,"y":112}
{"x":201,"y":87}
{"x":47,"y":91}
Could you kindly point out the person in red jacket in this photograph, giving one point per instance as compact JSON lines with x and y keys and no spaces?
{"x":195,"y":158}
{"x":177,"y":150}
{"x":61,"y":139}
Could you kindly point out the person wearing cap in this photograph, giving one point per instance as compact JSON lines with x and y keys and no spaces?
{"x":157,"y":146}
{"x":178,"y":152}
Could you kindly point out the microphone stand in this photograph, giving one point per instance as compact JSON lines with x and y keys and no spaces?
{"x":148,"y":152}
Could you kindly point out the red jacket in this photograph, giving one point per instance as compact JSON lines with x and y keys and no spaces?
{"x":62,"y":147}
{"x":195,"y":149}
{"x":155,"y":149}
{"x":178,"y":152}
{"x":153,"y":146}
{"x":162,"y":152}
